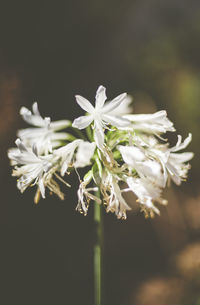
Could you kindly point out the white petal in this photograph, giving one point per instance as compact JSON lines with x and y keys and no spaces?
{"x":131,"y":154}
{"x":64,"y":168}
{"x":174,"y":173}
{"x":60,"y":136}
{"x":98,"y":134}
{"x":35,"y":149}
{"x":123,"y":108}
{"x":58,"y":125}
{"x":181,"y":157}
{"x":179,"y":145}
{"x":68,"y":148}
{"x":110,"y":106}
{"x":100,"y":97}
{"x":84,"y":104}
{"x":84,"y":154}
{"x":145,"y":191}
{"x":33,"y":119}
{"x":115,"y":121}
{"x":151,"y":123}
{"x":82,"y":122}
{"x":35,"y":109}
{"x":20,"y":145}
{"x":159,"y":115}
{"x":42,"y":188}
{"x":66,"y":153}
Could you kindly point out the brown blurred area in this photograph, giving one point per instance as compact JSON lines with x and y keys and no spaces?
{"x":50,"y":51}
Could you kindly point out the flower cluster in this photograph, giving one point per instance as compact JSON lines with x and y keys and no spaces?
{"x":121,"y":152}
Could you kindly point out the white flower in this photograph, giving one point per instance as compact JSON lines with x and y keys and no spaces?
{"x":44,"y":133}
{"x":101,"y":114}
{"x":173,"y":163}
{"x":69,"y":157}
{"x":66,"y":154}
{"x":34,"y":118}
{"x":155,"y":123}
{"x":145,"y":167}
{"x":176,"y":161}
{"x":30,"y":167}
{"x":112,"y":196}
{"x":146,"y":192}
{"x":84,"y":197}
{"x":84,"y":153}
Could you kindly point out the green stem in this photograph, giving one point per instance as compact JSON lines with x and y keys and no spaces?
{"x":89,"y":133}
{"x":98,"y":254}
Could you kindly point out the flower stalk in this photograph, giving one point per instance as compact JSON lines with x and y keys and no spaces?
{"x":98,"y":255}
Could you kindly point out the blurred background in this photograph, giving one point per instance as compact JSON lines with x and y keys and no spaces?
{"x":50,"y":51}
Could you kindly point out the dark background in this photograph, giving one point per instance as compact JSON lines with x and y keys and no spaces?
{"x":50,"y":51}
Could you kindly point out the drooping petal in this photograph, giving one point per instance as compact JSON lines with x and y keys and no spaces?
{"x":112,"y":105}
{"x":115,"y":120}
{"x":146,"y":193}
{"x":181,"y":157}
{"x":99,"y":134}
{"x":84,"y":104}
{"x":100,"y":97}
{"x":179,"y":145}
{"x":82,"y":122}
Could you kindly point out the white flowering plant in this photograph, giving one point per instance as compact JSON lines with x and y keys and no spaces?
{"x":121,"y":152}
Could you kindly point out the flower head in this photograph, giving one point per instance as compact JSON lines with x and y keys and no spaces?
{"x":123,"y":153}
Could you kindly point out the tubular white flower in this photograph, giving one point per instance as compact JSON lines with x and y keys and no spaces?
{"x":30,"y":167}
{"x":145,"y":167}
{"x":176,"y":161}
{"x":173,"y":163}
{"x":66,"y":154}
{"x":147,"y":193}
{"x":112,"y":196}
{"x":101,"y":114}
{"x":85,"y":196}
{"x":84,"y":153}
{"x":34,"y":118}
{"x":69,"y":157}
{"x":44,"y":133}
{"x":155,"y":123}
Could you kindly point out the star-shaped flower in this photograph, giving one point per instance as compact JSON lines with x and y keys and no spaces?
{"x":101,"y":114}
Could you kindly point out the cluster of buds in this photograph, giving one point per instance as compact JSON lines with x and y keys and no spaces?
{"x":121,"y":152}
